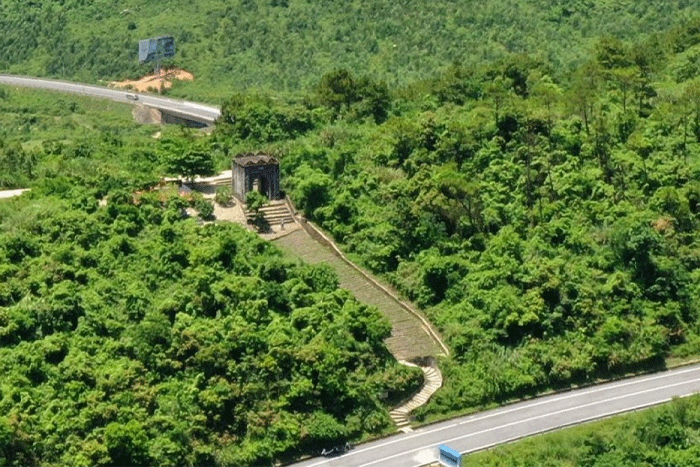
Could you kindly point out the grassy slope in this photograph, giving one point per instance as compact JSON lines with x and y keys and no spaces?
{"x":32,"y":117}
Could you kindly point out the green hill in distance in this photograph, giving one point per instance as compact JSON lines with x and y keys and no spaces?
{"x":286,"y":45}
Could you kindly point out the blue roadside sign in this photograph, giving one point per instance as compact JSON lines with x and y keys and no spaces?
{"x":449,"y":457}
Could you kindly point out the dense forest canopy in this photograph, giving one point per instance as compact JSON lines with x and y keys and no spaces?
{"x":288,"y":44}
{"x":132,"y":336}
{"x":548,"y":226}
{"x":541,"y":207}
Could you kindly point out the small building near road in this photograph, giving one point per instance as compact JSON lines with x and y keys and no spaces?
{"x":255,"y":172}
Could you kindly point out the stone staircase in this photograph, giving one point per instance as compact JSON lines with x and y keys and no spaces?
{"x":432,"y":382}
{"x":276,"y":212}
{"x":410,"y":340}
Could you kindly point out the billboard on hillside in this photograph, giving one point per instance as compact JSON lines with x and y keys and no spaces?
{"x":147,"y":50}
{"x":167,"y":45}
{"x":155,"y":48}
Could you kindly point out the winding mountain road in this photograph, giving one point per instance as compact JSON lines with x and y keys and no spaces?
{"x":487,"y":429}
{"x":190,"y":110}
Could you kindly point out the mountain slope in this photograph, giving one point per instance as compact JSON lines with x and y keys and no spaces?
{"x":289,"y":44}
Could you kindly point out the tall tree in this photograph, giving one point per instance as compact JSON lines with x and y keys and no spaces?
{"x":186,"y":159}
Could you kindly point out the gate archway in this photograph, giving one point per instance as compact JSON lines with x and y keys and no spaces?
{"x":255,"y":172}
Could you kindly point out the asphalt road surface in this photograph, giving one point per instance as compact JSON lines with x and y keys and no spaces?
{"x":197,"y":111}
{"x":487,"y":429}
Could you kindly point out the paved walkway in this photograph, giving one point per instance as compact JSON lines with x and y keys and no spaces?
{"x":409,"y":338}
{"x":432,"y":378}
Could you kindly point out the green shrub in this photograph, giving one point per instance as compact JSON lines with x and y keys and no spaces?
{"x":224,"y":196}
{"x":205,"y":208}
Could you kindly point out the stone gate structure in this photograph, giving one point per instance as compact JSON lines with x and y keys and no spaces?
{"x":259,"y":172}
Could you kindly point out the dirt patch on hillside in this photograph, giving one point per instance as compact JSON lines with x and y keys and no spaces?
{"x":155,"y":83}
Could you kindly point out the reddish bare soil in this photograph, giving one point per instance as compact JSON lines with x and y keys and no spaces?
{"x":155,"y":83}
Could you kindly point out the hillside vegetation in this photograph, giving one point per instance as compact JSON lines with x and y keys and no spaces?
{"x":542,"y":209}
{"x":133,"y":335}
{"x":548,"y":227}
{"x":288,"y":44}
{"x":37,"y":128}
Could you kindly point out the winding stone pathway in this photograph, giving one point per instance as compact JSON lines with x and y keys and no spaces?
{"x":409,"y":338}
{"x":432,"y":382}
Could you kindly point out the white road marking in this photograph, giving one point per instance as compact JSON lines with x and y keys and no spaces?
{"x":593,"y":417}
{"x":583,"y":406}
{"x":534,"y":403}
{"x":548,"y":415}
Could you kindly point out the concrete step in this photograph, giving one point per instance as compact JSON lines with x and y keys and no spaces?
{"x":274,"y":209}
{"x":275,"y":213}
{"x":277,"y":218}
{"x":432,"y":382}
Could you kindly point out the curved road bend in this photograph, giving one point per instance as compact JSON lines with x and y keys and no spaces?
{"x":197,"y":111}
{"x":487,"y":429}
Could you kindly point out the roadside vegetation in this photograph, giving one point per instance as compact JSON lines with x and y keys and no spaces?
{"x":666,"y":435}
{"x":45,"y":135}
{"x":49,"y":136}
